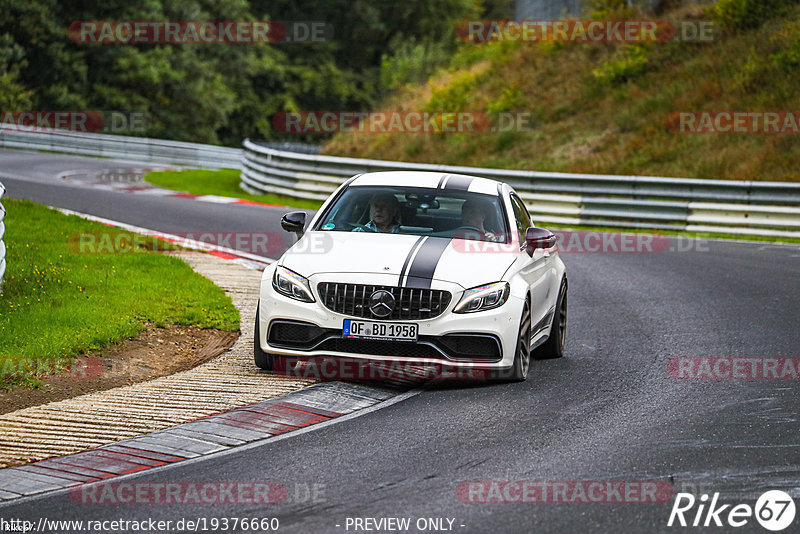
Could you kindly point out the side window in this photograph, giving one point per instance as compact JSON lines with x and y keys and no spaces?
{"x":521,"y":215}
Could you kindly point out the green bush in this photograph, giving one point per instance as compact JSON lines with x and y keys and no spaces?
{"x":788,"y":59}
{"x":454,"y":96}
{"x":412,"y":62}
{"x":510,"y":98}
{"x":610,"y":9}
{"x":747,"y":14}
{"x":624,"y":65}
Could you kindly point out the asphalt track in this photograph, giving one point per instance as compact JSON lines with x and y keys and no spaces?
{"x":608,"y":411}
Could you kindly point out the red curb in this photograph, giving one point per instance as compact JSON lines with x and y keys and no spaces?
{"x":280,"y":414}
{"x":92,"y":460}
{"x":141,"y":453}
{"x":127,"y":458}
{"x":270,"y":427}
{"x":223,"y":255}
{"x":33,"y":468}
{"x":67,"y":468}
{"x":308,"y":409}
{"x":267,"y":418}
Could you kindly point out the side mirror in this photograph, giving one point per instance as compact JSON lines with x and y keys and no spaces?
{"x":294,"y":222}
{"x":536,"y":238}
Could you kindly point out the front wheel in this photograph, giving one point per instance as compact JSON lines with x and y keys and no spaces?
{"x":554,"y":346}
{"x":518,"y":372}
{"x":263,"y":360}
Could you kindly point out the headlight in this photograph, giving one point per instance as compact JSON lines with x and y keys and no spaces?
{"x":292,"y":285}
{"x":483,"y":298}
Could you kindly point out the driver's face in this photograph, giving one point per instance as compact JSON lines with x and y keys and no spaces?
{"x":382,"y":213}
{"x":472,"y":216}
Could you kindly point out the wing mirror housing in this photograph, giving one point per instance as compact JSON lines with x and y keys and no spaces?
{"x":539,"y":238}
{"x":294,"y":222}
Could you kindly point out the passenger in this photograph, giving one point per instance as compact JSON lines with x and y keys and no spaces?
{"x":384,"y":210}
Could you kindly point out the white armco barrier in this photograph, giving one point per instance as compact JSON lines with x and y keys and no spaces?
{"x":694,"y":205}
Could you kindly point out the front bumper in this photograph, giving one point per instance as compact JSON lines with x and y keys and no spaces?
{"x":485,"y":340}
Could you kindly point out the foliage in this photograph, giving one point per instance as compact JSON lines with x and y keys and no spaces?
{"x":747,"y":14}
{"x":610,"y":9}
{"x":221,"y":93}
{"x":606,"y":108}
{"x":628,"y":62}
{"x":454,"y":94}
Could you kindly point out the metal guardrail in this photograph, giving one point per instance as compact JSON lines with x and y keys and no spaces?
{"x":2,"y":233}
{"x":693,"y":205}
{"x":139,"y":149}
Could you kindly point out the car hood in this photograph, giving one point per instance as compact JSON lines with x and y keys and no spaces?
{"x":392,"y":254}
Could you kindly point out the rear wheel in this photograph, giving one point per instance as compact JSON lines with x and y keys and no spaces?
{"x":554,"y":346}
{"x":263,"y":360}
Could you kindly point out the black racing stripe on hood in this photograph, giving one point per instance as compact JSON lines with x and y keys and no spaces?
{"x":458,"y":182}
{"x":414,"y":247}
{"x":424,"y":265}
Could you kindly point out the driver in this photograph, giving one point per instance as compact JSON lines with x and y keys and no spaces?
{"x":383,"y":214}
{"x":473,"y":215}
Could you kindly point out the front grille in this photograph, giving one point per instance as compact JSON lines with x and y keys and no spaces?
{"x":456,"y":347}
{"x":410,"y":304}
{"x":379,"y":348}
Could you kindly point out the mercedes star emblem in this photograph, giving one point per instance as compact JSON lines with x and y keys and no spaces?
{"x":381,"y":303}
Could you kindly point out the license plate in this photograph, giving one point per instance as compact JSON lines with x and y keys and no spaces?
{"x":372,"y":330}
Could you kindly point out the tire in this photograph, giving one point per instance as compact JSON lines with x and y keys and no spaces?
{"x":518,"y":372}
{"x":264,"y":360}
{"x":554,"y":346}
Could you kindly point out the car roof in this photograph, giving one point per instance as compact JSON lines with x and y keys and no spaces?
{"x":430,"y":180}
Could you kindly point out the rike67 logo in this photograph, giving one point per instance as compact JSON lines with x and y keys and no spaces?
{"x":774,"y":510}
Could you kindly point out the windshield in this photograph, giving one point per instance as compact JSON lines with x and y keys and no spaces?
{"x":416,"y":211}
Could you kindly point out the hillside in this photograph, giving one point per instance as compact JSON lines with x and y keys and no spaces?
{"x":611,"y":108}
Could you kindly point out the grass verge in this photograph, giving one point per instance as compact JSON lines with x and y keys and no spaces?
{"x":224,"y":182}
{"x":57,"y":303}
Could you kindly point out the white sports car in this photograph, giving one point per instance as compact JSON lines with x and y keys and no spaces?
{"x":419,"y":267}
